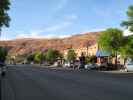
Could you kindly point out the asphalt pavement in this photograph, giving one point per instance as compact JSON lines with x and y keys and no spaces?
{"x":35,"y":83}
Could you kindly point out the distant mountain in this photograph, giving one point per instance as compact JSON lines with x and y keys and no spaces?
{"x":28,"y":45}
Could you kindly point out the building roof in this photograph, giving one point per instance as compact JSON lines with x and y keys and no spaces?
{"x":101,"y":53}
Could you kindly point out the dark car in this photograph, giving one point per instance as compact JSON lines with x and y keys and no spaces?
{"x":2,"y":69}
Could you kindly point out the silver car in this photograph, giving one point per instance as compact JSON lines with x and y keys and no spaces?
{"x":91,"y":66}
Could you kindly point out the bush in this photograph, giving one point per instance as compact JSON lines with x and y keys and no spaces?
{"x":90,"y":59}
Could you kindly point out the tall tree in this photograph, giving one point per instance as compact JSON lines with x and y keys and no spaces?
{"x":129,"y":22}
{"x":4,"y":17}
{"x":58,"y":54}
{"x":3,"y":54}
{"x":30,"y":58}
{"x":38,"y":57}
{"x":111,"y":40}
{"x":71,"y":55}
{"x":127,"y":47}
{"x":52,"y":55}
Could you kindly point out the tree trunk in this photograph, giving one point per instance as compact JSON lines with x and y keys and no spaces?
{"x":116,"y":59}
{"x":87,"y":51}
{"x":125,"y":59}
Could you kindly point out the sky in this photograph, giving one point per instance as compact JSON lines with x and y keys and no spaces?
{"x":63,"y":18}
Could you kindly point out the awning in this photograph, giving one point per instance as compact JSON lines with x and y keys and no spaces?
{"x":102,"y":53}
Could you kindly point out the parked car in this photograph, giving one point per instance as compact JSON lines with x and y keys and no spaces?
{"x":91,"y":66}
{"x":57,"y":64}
{"x":129,"y":65}
{"x":67,"y":64}
{"x":75,"y":64}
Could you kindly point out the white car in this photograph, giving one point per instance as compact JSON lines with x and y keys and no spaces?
{"x":67,"y":64}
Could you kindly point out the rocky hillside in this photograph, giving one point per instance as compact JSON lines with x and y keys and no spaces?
{"x":25,"y":46}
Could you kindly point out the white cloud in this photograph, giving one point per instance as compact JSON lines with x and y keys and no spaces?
{"x":50,"y":36}
{"x":31,"y":35}
{"x":67,"y":22}
{"x":127,"y":32}
{"x":54,"y":28}
{"x":60,"y":5}
{"x":37,"y":35}
{"x":4,"y":38}
{"x":51,"y":32}
{"x":95,"y":30}
{"x":58,"y":27}
{"x":71,"y":17}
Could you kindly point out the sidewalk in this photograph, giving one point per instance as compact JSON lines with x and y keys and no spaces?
{"x":118,"y":72}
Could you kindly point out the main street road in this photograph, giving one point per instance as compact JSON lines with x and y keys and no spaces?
{"x":31,"y":83}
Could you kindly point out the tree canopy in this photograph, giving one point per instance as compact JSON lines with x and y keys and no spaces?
{"x":3,"y":54}
{"x":4,"y":17}
{"x":71,"y":55}
{"x":111,"y":40}
{"x":30,"y":57}
{"x":52,"y":55}
{"x":127,"y":48}
{"x":38,"y":57}
{"x":129,"y":22}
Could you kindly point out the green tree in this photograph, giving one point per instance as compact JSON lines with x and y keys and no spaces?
{"x":38,"y":57}
{"x":4,"y":17}
{"x":52,"y":55}
{"x":129,"y":22}
{"x":43,"y":56}
{"x":71,"y":55}
{"x":130,"y":46}
{"x":111,"y":40}
{"x":127,"y":47}
{"x":58,"y":54}
{"x":30,"y":58}
{"x":3,"y":54}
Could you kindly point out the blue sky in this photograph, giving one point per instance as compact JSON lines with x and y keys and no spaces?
{"x":62,"y":18}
